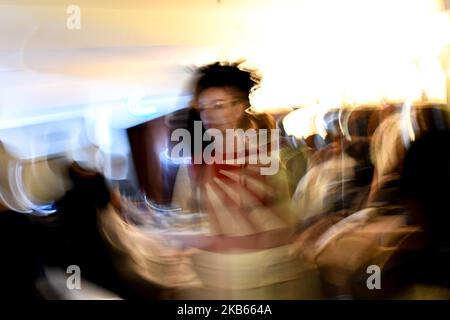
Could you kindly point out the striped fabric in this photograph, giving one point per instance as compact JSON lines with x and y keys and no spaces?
{"x":238,"y":199}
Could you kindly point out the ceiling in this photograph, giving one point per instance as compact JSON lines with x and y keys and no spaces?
{"x":305,"y":49}
{"x":120,"y":48}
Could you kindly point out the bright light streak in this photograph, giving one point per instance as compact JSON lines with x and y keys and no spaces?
{"x":345,"y":52}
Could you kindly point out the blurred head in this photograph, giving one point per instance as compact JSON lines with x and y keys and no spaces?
{"x":387,"y":148}
{"x":221,"y":95}
{"x":89,"y":187}
{"x":221,"y":108}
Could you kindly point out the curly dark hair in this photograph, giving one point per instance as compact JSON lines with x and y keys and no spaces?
{"x":234,"y":76}
{"x":226,"y":74}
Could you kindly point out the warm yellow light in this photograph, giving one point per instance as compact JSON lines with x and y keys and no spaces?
{"x":344,"y":52}
{"x":306,"y":121}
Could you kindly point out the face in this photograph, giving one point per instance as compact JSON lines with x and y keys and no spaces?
{"x":220,"y":108}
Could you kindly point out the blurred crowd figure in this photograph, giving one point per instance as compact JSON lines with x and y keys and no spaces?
{"x":388,"y":224}
{"x":372,"y":192}
{"x":250,"y":219}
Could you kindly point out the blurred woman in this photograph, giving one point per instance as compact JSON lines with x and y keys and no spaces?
{"x":244,"y":248}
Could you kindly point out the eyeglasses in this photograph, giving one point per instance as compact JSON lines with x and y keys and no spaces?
{"x":218,"y":105}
